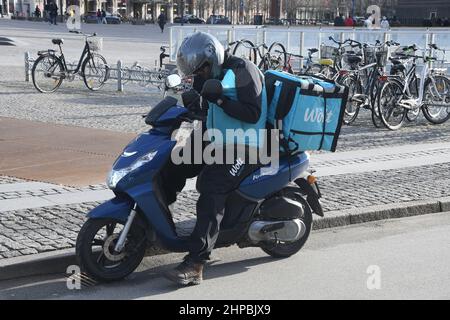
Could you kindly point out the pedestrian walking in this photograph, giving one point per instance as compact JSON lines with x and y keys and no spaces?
{"x":1,"y":10}
{"x":162,"y":21}
{"x":104,"y":17}
{"x":53,"y":11}
{"x":99,"y":16}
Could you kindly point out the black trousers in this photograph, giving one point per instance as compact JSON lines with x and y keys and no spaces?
{"x":214,"y":183}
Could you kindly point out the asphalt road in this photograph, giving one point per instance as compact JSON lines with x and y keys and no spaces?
{"x":396,"y":259}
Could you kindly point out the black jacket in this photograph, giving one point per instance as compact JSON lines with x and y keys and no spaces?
{"x":249,"y":86}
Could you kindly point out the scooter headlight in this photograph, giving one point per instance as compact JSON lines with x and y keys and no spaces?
{"x":116,"y":175}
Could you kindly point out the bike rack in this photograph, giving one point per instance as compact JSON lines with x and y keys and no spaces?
{"x":141,"y":75}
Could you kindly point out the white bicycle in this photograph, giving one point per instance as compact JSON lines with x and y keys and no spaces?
{"x":430,"y":92}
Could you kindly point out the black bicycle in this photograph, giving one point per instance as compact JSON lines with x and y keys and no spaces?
{"x":50,"y":68}
{"x":266,"y":58}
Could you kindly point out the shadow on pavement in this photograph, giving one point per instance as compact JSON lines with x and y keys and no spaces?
{"x":145,"y":284}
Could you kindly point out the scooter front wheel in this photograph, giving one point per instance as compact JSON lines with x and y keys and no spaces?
{"x":95,"y":249}
{"x":287,"y":249}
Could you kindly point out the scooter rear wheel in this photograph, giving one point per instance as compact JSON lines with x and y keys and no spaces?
{"x":95,"y":249}
{"x":287,"y":249}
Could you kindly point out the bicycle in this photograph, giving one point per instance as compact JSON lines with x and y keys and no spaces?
{"x":50,"y":68}
{"x":268,"y":60}
{"x":308,"y":66}
{"x":331,"y":57}
{"x":432,"y":95}
{"x":364,"y":82}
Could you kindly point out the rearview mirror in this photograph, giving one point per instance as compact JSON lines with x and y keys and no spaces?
{"x":173,"y":80}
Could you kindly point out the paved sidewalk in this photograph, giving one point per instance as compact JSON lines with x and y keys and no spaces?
{"x":59,"y":154}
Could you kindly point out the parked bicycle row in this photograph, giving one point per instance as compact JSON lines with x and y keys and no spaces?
{"x":417,"y":79}
{"x":50,"y":68}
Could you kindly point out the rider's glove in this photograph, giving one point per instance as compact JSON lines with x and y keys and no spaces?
{"x":191,"y":100}
{"x":212,"y":91}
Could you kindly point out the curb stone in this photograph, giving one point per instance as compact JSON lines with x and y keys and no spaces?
{"x":56,"y":262}
{"x":380,"y":212}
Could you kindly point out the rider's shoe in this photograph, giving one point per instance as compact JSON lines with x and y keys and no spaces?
{"x":187,"y":272}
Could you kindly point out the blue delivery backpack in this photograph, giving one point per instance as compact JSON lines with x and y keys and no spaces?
{"x":307,"y":110}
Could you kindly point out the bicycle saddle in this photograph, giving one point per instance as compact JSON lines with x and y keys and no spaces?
{"x":57,"y":41}
{"x":326,"y":62}
{"x":313,"y":50}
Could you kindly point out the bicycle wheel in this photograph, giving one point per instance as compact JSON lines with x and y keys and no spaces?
{"x":391,"y":114}
{"x":352,"y":107}
{"x":245,"y":49}
{"x":376,"y":119}
{"x":47,"y":73}
{"x":436,"y":108}
{"x":95,"y":71}
{"x":278,"y":53}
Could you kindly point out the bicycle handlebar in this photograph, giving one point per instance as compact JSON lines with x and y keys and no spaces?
{"x":414,"y":56}
{"x":349,"y":41}
{"x":290,"y":54}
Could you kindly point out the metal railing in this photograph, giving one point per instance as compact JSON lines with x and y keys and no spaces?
{"x":298,"y":39}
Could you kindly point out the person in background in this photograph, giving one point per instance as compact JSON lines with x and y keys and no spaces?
{"x":99,"y":16}
{"x":53,"y":12}
{"x":368,"y":23}
{"x":339,"y":21}
{"x":37,"y":12}
{"x":162,"y":21}
{"x":104,"y":21}
{"x":349,"y":22}
{"x":1,"y":10}
{"x":395,"y":22}
{"x":384,"y":23}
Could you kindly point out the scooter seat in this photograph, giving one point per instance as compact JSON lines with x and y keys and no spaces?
{"x":57,"y":41}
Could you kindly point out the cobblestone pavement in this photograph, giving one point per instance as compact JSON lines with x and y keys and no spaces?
{"x":7,"y":180}
{"x":44,"y":229}
{"x":43,"y":192}
{"x":73,"y":104}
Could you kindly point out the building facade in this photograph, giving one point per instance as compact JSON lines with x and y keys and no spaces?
{"x":239,"y":11}
{"x":420,"y":9}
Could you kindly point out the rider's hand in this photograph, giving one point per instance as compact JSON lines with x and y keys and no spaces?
{"x":212,"y":90}
{"x":191,"y":100}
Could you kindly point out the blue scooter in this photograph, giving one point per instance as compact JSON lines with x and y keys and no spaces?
{"x":273,"y":212}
